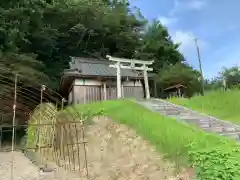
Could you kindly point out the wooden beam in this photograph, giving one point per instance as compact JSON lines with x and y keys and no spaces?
{"x":133,"y":68}
{"x":111,"y":58}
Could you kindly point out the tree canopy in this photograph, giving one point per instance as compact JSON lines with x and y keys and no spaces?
{"x":38,"y":37}
{"x":229,"y":77}
{"x":180,"y":73}
{"x":157,"y":44}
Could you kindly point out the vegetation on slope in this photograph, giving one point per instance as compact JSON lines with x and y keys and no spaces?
{"x":37,"y":132}
{"x":220,"y":104}
{"x":214,"y":157}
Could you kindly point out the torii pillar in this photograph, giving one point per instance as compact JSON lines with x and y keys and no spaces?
{"x":131,"y":65}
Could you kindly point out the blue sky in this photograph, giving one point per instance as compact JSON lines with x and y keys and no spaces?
{"x":214,"y":22}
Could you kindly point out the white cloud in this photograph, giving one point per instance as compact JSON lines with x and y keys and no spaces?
{"x":196,"y":4}
{"x":175,"y":8}
{"x":180,"y":6}
{"x":186,"y":39}
{"x":168,"y":21}
{"x":188,"y":48}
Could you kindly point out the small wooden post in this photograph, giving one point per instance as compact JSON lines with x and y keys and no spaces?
{"x":179,"y":92}
{"x":224,"y":84}
{"x":39,"y":138}
{"x":62,"y":105}
{"x":73,"y":94}
{"x":104,"y":91}
{"x":122,"y":89}
{"x":13,"y":127}
{"x":84,"y":92}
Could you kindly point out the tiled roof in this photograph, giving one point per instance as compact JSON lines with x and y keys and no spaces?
{"x":97,"y":67}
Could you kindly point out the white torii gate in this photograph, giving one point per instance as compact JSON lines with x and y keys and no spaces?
{"x":131,"y":65}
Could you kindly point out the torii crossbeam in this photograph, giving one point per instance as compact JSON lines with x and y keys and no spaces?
{"x":131,"y":64}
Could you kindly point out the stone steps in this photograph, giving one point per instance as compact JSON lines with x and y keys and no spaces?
{"x":204,"y":122}
{"x":235,"y":135}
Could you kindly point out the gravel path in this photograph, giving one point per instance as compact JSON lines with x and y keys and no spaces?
{"x":205,"y":122}
{"x":24,"y":169}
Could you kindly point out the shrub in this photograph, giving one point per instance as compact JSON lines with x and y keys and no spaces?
{"x":41,"y":124}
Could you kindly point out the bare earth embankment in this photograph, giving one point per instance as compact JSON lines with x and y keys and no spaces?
{"x":116,"y":152}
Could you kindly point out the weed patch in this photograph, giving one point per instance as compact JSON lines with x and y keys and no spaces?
{"x":211,"y":155}
{"x":216,"y":163}
{"x":220,"y":104}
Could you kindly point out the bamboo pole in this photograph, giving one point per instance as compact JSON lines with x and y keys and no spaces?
{"x":13,"y":126}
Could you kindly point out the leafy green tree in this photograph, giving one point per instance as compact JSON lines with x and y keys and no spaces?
{"x":231,"y":76}
{"x":228,"y":78}
{"x":235,"y":70}
{"x":180,"y":73}
{"x":56,"y":30}
{"x":156,"y":44}
{"x":214,"y":84}
{"x":50,"y":31}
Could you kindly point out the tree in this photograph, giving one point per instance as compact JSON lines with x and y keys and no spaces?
{"x":180,"y":73}
{"x":214,"y":84}
{"x":50,"y":31}
{"x":227,"y":78}
{"x":231,"y":76}
{"x":55,"y":30}
{"x":38,"y":37}
{"x":156,"y":44}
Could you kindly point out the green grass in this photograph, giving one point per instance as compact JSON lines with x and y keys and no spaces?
{"x":223,"y":105}
{"x":168,"y":136}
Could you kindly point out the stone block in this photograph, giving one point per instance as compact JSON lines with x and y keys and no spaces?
{"x":204,"y":125}
{"x":217,"y":129}
{"x":229,"y":129}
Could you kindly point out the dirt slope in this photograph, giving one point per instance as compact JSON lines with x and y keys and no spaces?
{"x":115,"y":152}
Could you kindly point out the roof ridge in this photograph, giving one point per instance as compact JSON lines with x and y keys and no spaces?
{"x":90,"y":60}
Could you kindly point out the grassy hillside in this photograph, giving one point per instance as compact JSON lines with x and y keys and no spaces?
{"x":183,"y":144}
{"x":224,"y":105}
